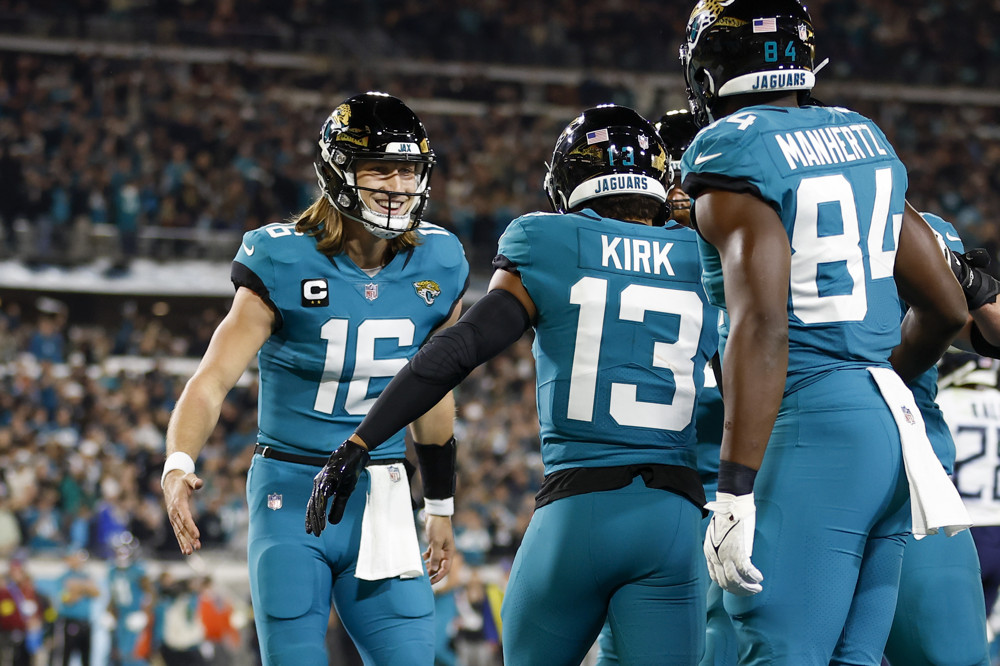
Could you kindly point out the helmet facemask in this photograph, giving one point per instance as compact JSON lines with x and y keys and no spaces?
{"x":374,"y":127}
{"x":340,"y":186}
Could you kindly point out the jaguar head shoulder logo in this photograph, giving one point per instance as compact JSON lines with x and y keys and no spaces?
{"x":427,"y":290}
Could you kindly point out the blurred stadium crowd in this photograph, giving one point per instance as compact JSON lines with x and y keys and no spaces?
{"x":215,"y":140}
{"x":93,"y":136}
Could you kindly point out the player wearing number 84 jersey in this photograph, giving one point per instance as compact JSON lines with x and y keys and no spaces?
{"x":806,"y":235}
{"x":839,"y":189}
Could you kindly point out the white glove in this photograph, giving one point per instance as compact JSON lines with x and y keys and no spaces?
{"x":729,"y":544}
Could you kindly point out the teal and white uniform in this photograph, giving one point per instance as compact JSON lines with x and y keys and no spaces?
{"x":830,"y":569}
{"x":622,"y":337}
{"x":720,"y":638}
{"x":130,"y":603}
{"x":940,"y":615}
{"x":340,"y":336}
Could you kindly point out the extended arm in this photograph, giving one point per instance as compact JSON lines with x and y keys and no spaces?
{"x":494,"y":323}
{"x":937,"y":305}
{"x":982,"y":333}
{"x":434,"y":442}
{"x":756,"y":264}
{"x":756,"y":260}
{"x":233,"y":345}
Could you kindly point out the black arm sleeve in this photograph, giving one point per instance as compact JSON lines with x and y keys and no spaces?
{"x":494,"y":323}
{"x":980,"y":344}
{"x":244,"y":277}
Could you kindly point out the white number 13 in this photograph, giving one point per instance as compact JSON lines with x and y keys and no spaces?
{"x":590,"y":294}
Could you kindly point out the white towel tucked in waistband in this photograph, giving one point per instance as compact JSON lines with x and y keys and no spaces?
{"x":934,"y":502}
{"x":389,"y":546}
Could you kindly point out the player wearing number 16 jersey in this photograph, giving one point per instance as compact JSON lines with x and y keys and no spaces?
{"x":806,"y":237}
{"x":623,"y":331}
{"x":332,"y":306}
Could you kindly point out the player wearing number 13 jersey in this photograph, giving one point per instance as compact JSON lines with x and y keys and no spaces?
{"x":806,"y":234}
{"x":623,"y":332}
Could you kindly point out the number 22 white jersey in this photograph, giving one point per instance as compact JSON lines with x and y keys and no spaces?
{"x":972,"y":411}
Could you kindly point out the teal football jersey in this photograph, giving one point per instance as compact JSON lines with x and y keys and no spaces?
{"x":341,"y":335}
{"x":839,"y":189}
{"x":622,"y":337}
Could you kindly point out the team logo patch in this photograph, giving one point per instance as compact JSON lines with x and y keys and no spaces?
{"x":371,"y":291}
{"x":274,"y":501}
{"x":908,"y":415}
{"x":427,"y":290}
{"x":394,"y":474}
{"x":315,"y":293}
{"x":704,"y":15}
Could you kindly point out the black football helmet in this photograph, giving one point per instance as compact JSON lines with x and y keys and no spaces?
{"x":677,"y":129}
{"x":733,"y":47}
{"x":605,"y":151}
{"x":373,"y":126}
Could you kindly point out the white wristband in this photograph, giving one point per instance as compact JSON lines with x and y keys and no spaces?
{"x":445,"y":507}
{"x":177,"y":460}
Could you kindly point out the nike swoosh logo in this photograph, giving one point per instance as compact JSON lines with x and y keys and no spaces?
{"x":952,"y":238}
{"x":701,"y":159}
{"x":718,"y":544}
{"x":248,"y":250}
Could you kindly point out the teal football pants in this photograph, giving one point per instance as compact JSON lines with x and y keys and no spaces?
{"x":832,"y":518}
{"x":629,"y":555}
{"x":720,"y":637}
{"x":294,"y":575}
{"x":940,"y":614}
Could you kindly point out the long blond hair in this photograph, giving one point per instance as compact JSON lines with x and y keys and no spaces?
{"x":324,"y":222}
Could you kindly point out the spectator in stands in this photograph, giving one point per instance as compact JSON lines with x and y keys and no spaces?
{"x":216,"y":612}
{"x":21,"y":614}
{"x":77,"y":591}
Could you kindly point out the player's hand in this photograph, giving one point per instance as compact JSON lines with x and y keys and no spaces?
{"x":979,"y":286}
{"x":177,"y":490}
{"x":440,"y":546}
{"x":729,"y":544}
{"x":336,"y":480}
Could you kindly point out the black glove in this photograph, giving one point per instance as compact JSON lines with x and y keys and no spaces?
{"x":337,"y":480}
{"x":979,"y":286}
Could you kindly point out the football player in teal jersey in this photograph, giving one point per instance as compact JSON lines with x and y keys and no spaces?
{"x":623,"y":333}
{"x":333,"y":305}
{"x":130,"y":604}
{"x":940,"y":617}
{"x":806,"y":236}
{"x":677,"y":129}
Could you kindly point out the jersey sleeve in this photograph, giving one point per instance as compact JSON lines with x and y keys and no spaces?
{"x":253,"y":268}
{"x":513,"y":246}
{"x":945,"y":232}
{"x":725,"y":156}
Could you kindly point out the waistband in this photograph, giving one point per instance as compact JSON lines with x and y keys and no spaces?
{"x":315,"y":461}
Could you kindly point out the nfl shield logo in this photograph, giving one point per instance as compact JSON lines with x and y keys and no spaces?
{"x":909,"y":415}
{"x":274,"y":501}
{"x":371,"y":291}
{"x":643,"y":142}
{"x":394,"y":475}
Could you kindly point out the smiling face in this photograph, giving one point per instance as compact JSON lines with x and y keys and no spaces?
{"x":377,"y":180}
